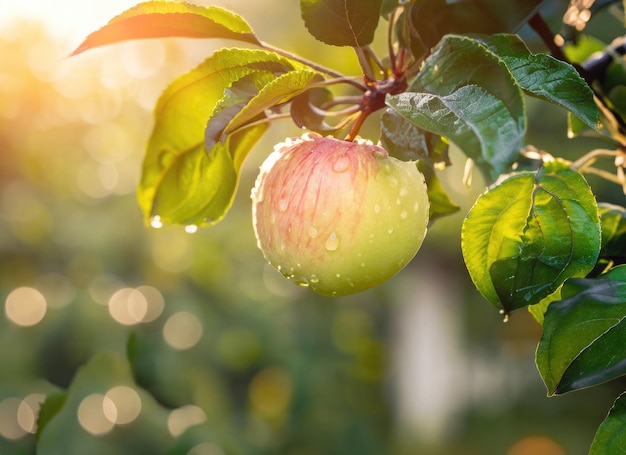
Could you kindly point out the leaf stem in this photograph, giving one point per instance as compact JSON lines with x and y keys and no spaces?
{"x":366,"y":66}
{"x":588,"y":158}
{"x":314,"y":65}
{"x":604,"y":174}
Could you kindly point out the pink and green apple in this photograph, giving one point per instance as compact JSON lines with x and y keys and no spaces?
{"x":337,"y":216}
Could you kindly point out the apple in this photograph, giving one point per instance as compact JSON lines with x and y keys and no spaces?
{"x":336,"y":216}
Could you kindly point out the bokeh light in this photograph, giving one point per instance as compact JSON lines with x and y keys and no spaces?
{"x":182,"y":418}
{"x":126,"y":403}
{"x":10,"y":427}
{"x":92,"y":415}
{"x":28,"y":412}
{"x":270,"y":392}
{"x":130,"y":306}
{"x":25,"y":306}
{"x":182,"y":330}
{"x":536,"y":445}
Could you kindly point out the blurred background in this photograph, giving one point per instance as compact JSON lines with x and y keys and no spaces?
{"x":163,"y":341}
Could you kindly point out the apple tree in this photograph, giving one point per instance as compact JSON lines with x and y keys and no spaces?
{"x":339,"y":212}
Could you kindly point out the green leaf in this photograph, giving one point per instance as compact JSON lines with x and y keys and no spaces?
{"x":543,"y":76}
{"x":162,"y":19}
{"x":584,"y":335}
{"x":307,"y":110}
{"x":341,"y":22}
{"x":611,"y":435}
{"x":476,"y":121}
{"x":65,"y":433}
{"x":50,"y":408}
{"x":538,"y":310}
{"x":613,"y":221}
{"x":405,"y":141}
{"x":530,"y":232}
{"x":466,"y":93}
{"x":183,"y":181}
{"x":425,"y":22}
{"x":278,"y":91}
{"x":440,"y":204}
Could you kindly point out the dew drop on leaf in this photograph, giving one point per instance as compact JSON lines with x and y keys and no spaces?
{"x":156,"y":222}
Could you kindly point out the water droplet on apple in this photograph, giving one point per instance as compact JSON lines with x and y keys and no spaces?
{"x":191,"y":229}
{"x":398,"y":201}
{"x":377,"y":208}
{"x":362,"y":264}
{"x":283,"y":202}
{"x":312,"y":232}
{"x":403,"y":215}
{"x":403,"y":192}
{"x":332,"y":243}
{"x":390,"y":230}
{"x":314,"y":279}
{"x":341,"y":164}
{"x":302,"y":281}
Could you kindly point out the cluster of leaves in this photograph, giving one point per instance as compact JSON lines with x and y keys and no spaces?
{"x":455,"y":73}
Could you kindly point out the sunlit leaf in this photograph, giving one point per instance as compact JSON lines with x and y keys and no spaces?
{"x":278,"y":91}
{"x":162,"y":19}
{"x":538,"y":310}
{"x":543,"y":76}
{"x":341,"y":22}
{"x":182,"y":181}
{"x":530,"y":232}
{"x":584,"y":334}
{"x":611,"y":435}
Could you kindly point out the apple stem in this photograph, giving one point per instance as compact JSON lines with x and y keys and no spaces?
{"x":356,"y":126}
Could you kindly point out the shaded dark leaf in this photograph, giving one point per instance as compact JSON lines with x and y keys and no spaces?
{"x":341,"y":22}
